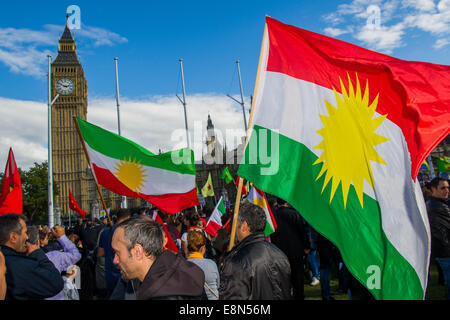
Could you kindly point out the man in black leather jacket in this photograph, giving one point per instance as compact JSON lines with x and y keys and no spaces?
{"x":439,"y":218}
{"x":254,"y":269}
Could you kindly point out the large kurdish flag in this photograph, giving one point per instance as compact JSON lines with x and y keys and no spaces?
{"x":122,"y":166}
{"x":346,"y":130}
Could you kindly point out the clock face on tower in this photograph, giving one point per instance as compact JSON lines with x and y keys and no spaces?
{"x":65,"y":86}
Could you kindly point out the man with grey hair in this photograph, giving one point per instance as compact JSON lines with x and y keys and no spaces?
{"x":30,"y":274}
{"x":254,"y":269}
{"x":138,"y":244}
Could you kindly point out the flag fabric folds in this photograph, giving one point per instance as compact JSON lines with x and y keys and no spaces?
{"x":258,"y":198}
{"x":166,"y":180}
{"x":75,"y":207}
{"x":170,"y":242}
{"x":215,"y":220}
{"x":346,"y":130}
{"x":11,"y":192}
{"x":226,"y":175}
{"x":208,"y":190}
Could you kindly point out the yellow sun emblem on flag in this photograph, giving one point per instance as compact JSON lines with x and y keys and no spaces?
{"x":131,"y":174}
{"x":349,"y":141}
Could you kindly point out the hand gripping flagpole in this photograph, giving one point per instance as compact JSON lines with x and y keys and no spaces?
{"x":89,"y":161}
{"x":241,"y":180}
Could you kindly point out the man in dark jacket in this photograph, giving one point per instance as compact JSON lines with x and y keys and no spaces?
{"x":30,"y":275}
{"x":291,"y":237}
{"x":254,"y":269}
{"x":439,"y":218}
{"x":138,"y":245}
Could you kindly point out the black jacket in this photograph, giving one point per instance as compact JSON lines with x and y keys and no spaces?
{"x":172,"y":277}
{"x":439,"y":218}
{"x":31,"y":277}
{"x":291,"y":235}
{"x":255,"y":270}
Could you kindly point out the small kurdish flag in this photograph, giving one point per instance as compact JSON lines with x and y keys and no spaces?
{"x":215,"y":221}
{"x":347,"y":130}
{"x":166,"y":180}
{"x":257,"y":197}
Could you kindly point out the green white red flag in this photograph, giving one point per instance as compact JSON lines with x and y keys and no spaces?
{"x":166,"y":180}
{"x":215,"y":220}
{"x":347,"y":130}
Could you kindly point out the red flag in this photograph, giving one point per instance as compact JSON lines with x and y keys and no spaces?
{"x":11,"y":192}
{"x":74,"y":206}
{"x":170,"y":243}
{"x":244,"y":190}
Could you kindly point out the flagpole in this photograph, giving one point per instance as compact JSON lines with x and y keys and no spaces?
{"x":89,"y":161}
{"x":51,"y":220}
{"x":183,"y":102}
{"x":242,"y":95}
{"x":241,"y":180}
{"x":430,"y":165}
{"x":124,"y":198}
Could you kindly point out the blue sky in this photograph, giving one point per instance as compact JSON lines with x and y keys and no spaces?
{"x":149,"y":37}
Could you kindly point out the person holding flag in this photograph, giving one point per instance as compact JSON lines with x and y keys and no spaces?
{"x":254,"y":269}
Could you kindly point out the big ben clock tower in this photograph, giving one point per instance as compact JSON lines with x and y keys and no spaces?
{"x":69,"y":162}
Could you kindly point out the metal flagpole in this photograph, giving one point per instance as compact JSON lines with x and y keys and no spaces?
{"x":51,"y":218}
{"x":242,"y":96}
{"x":184,"y":103}
{"x":124,"y":198}
{"x":430,"y":165}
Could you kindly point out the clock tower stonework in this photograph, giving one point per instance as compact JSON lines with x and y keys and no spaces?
{"x":70,"y":167}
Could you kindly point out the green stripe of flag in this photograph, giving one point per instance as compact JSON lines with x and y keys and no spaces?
{"x":356,"y":232}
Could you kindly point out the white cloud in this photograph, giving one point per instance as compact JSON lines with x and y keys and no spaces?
{"x":149,"y":122}
{"x":25,"y":51}
{"x":440,"y":43}
{"x":397,"y":18}
{"x":335,"y":32}
{"x":384,"y":39}
{"x":421,"y":5}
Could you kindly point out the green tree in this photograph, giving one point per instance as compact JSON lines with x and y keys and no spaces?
{"x":35,"y":192}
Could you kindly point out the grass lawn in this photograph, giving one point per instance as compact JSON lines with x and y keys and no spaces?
{"x":434,"y":290}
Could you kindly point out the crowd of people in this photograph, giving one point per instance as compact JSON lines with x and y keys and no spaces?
{"x":131,"y":259}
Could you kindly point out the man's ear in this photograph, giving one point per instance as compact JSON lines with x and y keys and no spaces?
{"x":13,"y":237}
{"x":165,"y":241}
{"x":138,"y":252}
{"x":244,"y":226}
